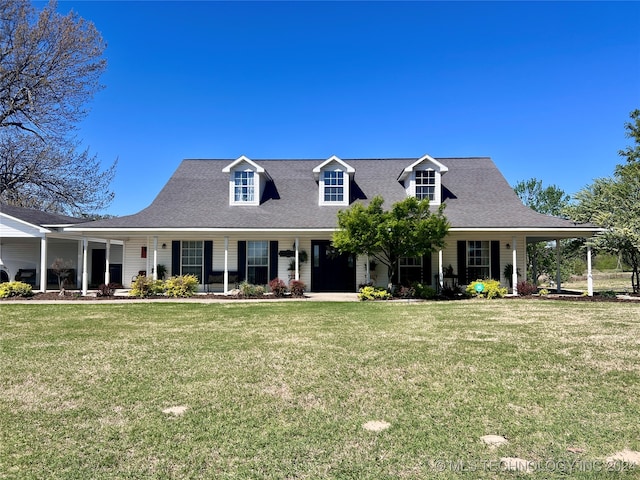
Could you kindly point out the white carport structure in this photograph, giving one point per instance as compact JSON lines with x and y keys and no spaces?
{"x":30,"y":240}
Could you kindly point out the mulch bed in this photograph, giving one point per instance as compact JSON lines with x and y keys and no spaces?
{"x":54,"y":296}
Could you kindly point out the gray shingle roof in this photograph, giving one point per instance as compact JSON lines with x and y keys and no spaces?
{"x":197,"y":196}
{"x":37,"y":217}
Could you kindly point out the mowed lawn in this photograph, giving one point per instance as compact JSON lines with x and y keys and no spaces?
{"x":282,"y":390}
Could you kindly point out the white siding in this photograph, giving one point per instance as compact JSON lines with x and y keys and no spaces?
{"x":10,"y":228}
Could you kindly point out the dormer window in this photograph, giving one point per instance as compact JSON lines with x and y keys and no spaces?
{"x":244,"y":187}
{"x":426,"y":185}
{"x":422,"y":179}
{"x":333,"y":186}
{"x":334,"y":178}
{"x":247,"y":181}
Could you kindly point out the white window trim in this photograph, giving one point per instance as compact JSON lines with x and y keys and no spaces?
{"x":345,"y":188}
{"x":256,"y":188}
{"x":334,"y":164}
{"x":245,"y":164}
{"x":425,"y":162}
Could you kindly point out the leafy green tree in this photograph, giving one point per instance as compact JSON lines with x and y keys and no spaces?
{"x":549,"y":200}
{"x":409,"y":229}
{"x":50,"y":66}
{"x":614,"y":204}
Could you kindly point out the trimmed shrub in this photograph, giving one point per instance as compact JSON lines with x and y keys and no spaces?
{"x":492,"y":289}
{"x":544,"y":292}
{"x":278,"y":287}
{"x":107,"y":290}
{"x":405,"y":292}
{"x":181,"y":286}
{"x":297,"y":288}
{"x":247,"y":290}
{"x":424,"y":291}
{"x":453,"y":292}
{"x":373,"y":293}
{"x":143,"y":287}
{"x":526,"y":289}
{"x":15,"y":289}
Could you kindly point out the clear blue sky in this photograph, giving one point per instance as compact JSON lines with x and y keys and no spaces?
{"x":543,"y":88}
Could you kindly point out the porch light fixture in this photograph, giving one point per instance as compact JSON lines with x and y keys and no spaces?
{"x":164,"y":246}
{"x":508,"y":246}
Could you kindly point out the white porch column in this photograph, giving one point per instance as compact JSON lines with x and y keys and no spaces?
{"x":43,"y":264}
{"x":558,"y":275}
{"x":440,"y":269}
{"x":107,"y":263}
{"x":85,"y":275}
{"x":226,"y":265}
{"x":514,"y":262}
{"x":297,"y":272}
{"x":155,"y":258}
{"x":589,"y":272}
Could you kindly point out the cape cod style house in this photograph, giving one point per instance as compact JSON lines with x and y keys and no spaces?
{"x":228,"y":221}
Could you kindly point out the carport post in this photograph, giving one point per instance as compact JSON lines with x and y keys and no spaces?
{"x":85,"y":276}
{"x":558,"y":274}
{"x":589,"y":272}
{"x":514,"y":271}
{"x":43,"y":264}
{"x":107,"y":275}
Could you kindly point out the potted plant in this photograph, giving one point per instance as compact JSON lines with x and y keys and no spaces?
{"x":302,"y":257}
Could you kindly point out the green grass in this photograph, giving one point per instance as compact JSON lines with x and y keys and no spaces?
{"x":602,"y":282}
{"x":282,"y":389}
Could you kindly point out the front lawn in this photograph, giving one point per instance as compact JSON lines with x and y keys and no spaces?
{"x":284,"y":389}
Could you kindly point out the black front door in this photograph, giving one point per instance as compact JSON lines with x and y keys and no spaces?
{"x":331,"y":271}
{"x":98,"y":266}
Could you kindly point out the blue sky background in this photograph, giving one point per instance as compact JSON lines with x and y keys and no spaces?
{"x":543,"y":88}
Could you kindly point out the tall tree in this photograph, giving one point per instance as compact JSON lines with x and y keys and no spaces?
{"x":409,"y":229}
{"x":50,"y":66}
{"x":614,"y":204}
{"x":549,"y":200}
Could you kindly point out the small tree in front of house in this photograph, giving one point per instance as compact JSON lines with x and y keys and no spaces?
{"x":62,"y":269}
{"x":409,"y":229}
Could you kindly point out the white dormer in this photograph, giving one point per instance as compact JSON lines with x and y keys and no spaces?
{"x":334,"y":178}
{"x":247,"y":180}
{"x":422,"y":179}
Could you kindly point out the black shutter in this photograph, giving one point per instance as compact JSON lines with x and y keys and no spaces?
{"x":242,"y":260}
{"x":462,"y":262}
{"x":273,"y":259}
{"x":175,"y":258}
{"x":208,"y":259}
{"x":495,"y":260}
{"x":426,"y":269}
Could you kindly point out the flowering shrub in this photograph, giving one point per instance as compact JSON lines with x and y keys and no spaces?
{"x":373,"y":293}
{"x":15,"y":289}
{"x":526,"y":289}
{"x":278,"y":287}
{"x":144,"y":286}
{"x":181,"y":286}
{"x":297,"y":288}
{"x":492,"y":289}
